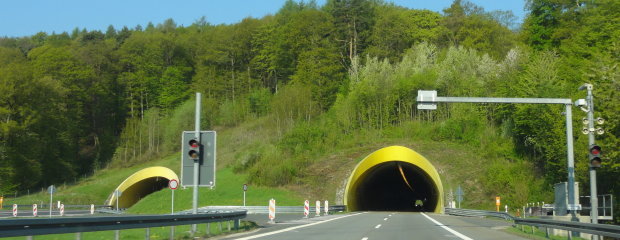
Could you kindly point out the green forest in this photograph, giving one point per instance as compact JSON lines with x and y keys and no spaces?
{"x":74,"y":103}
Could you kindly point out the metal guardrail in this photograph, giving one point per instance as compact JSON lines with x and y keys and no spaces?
{"x":43,"y":226}
{"x":265,"y":209}
{"x":606,"y":230}
{"x":477,"y":213}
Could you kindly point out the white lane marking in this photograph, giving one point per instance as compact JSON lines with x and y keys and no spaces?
{"x":385,"y":219}
{"x":293,"y":228}
{"x":378,"y":226}
{"x":458,"y":234}
{"x":365,"y":238}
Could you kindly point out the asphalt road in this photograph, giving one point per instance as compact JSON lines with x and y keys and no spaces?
{"x":377,"y":225}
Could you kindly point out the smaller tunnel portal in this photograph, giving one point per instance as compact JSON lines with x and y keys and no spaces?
{"x":140,"y":184}
{"x":385,"y":187}
{"x":141,"y":189}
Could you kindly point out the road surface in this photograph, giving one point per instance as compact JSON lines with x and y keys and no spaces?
{"x":377,"y":225}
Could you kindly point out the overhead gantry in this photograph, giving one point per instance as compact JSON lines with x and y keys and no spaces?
{"x":394,"y":178}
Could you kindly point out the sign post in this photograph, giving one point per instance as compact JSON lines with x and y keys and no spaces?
{"x":173,"y":184}
{"x":117,"y":193}
{"x":245,"y":189}
{"x":497,"y":203}
{"x":196,"y":163}
{"x":197,"y":159}
{"x":51,"y":189}
{"x":589,"y":129}
{"x":459,"y":195}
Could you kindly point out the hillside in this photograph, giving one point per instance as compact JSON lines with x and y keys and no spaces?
{"x":300,"y":96}
{"x":323,"y":178}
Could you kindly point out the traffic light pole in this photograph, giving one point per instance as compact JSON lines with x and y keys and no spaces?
{"x":196,"y":162}
{"x":429,"y":99}
{"x":593,"y":190}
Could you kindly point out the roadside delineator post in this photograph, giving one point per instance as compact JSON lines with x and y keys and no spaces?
{"x":92,"y":209}
{"x":306,"y":208}
{"x":34,"y":209}
{"x":272,"y":210}
{"x":497,"y":203}
{"x":318,"y":208}
{"x":62,"y":210}
{"x":14,"y":210}
{"x":326,"y":207}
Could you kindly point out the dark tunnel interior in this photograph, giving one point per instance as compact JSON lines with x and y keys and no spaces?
{"x":383,"y":188}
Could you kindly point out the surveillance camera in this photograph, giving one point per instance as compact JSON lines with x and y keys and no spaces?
{"x":585,"y":86}
{"x":581,"y":103}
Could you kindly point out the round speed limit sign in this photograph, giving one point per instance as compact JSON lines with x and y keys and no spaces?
{"x":173,"y":184}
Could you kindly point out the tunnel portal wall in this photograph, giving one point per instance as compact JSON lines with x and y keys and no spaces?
{"x":394,"y":178}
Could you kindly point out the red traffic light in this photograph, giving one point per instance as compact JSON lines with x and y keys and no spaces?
{"x":194,"y":149}
{"x":595,"y":156}
{"x":194,"y":143}
{"x":595,"y":151}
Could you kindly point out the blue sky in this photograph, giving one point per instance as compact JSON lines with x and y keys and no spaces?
{"x":27,"y":17}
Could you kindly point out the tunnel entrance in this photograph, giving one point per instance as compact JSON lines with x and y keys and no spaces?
{"x":394,"y":178}
{"x":396,"y":186}
{"x":139,"y":185}
{"x":141,"y":189}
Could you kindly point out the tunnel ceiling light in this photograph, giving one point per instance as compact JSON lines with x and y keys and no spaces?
{"x":400,"y":168}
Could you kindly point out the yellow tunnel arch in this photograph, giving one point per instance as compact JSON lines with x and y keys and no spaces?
{"x":140,"y":184}
{"x":394,"y":178}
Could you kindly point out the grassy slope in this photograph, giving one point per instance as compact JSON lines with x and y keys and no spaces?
{"x":95,"y":189}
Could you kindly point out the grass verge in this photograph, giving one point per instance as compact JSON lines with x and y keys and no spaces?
{"x":539,"y":233}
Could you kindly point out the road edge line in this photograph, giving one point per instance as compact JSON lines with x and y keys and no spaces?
{"x":458,"y":234}
{"x":296,"y":227}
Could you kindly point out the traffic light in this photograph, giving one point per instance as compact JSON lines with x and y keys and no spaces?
{"x":194,"y":149}
{"x":199,"y":150}
{"x":595,"y":156}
